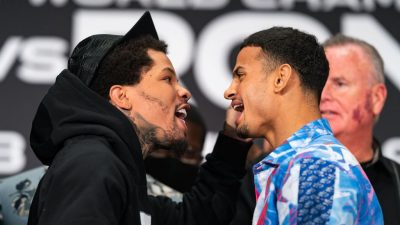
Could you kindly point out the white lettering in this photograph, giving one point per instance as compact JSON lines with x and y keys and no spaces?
{"x":172,"y":4}
{"x":260,"y":4}
{"x":42,"y":59}
{"x":8,"y":55}
{"x":219,"y":37}
{"x":166,"y":4}
{"x":318,"y":5}
{"x":57,"y":3}
{"x":314,"y":5}
{"x":12,"y":157}
{"x":82,"y":3}
{"x":391,"y":148}
{"x":143,"y":3}
{"x":209,"y":4}
{"x":370,"y":5}
{"x":92,"y":3}
{"x":385,"y":3}
{"x":351,"y":4}
{"x":367,"y":28}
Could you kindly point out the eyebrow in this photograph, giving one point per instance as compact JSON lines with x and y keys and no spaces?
{"x":339,"y":78}
{"x":169,"y":69}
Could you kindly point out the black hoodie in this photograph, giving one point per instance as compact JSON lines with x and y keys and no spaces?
{"x":96,"y":173}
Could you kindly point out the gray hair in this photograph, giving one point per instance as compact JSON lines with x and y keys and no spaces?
{"x":372,"y":53}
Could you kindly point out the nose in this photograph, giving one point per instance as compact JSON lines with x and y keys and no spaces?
{"x":184,"y":93}
{"x":230,"y":93}
{"x":326,"y":92}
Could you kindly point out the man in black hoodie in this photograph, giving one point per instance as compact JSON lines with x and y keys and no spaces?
{"x":118,"y":100}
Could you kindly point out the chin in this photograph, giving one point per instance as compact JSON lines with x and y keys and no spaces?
{"x":171,"y":140}
{"x":177,"y":145}
{"x":242,"y":131}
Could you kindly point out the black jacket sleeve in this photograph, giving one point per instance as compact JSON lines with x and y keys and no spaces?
{"x":212,"y":199}
{"x":246,"y":201}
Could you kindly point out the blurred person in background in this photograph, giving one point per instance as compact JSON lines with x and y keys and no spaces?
{"x":352,"y":100}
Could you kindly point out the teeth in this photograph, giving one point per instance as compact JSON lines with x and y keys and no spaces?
{"x":235,"y":107}
{"x":183,"y":112}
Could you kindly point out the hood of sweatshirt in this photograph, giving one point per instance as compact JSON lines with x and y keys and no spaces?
{"x":71,"y":109}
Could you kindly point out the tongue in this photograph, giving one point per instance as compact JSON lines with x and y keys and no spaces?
{"x":180,"y":115}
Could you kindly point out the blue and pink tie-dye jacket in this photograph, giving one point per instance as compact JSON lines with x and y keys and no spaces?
{"x":313,"y":179}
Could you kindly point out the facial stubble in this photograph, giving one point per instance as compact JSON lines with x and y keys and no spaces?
{"x":153,"y":137}
{"x":243,"y":131}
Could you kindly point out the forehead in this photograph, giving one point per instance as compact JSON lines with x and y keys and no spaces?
{"x":160,"y":59}
{"x":249,"y":55}
{"x":348,"y":61}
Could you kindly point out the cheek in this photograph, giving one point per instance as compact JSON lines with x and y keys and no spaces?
{"x":348,"y":102}
{"x":357,"y":115}
{"x":155,"y":110}
{"x":368,"y":102}
{"x":363,"y":109}
{"x":258,"y":103}
{"x":252,"y":99}
{"x":155,"y":102}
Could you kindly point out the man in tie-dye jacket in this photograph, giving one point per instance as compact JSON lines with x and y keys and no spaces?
{"x":309,"y":178}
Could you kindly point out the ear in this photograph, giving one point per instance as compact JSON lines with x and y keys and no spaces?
{"x":379,"y":93}
{"x":282,"y":77}
{"x":118,"y":97}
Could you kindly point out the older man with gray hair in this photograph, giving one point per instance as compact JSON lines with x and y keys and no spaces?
{"x":352,"y":101}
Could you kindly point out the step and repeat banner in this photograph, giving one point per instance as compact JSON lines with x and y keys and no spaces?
{"x":36,"y":37}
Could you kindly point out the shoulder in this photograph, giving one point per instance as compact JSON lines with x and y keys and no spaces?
{"x":390,"y":164}
{"x":90,"y":151}
{"x":328,"y":148}
{"x":86,"y":160}
{"x":324,"y":161}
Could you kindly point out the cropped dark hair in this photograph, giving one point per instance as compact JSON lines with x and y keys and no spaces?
{"x":298,"y":49}
{"x":125,"y":64}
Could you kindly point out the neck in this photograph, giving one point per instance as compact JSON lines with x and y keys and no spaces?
{"x":146,"y":145}
{"x":291,"y":120}
{"x":145,"y":137}
{"x":359,"y":144}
